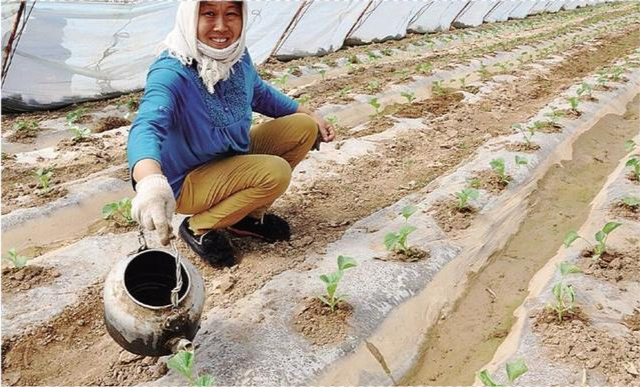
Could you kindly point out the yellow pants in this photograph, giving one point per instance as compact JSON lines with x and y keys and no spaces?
{"x":222,"y":192}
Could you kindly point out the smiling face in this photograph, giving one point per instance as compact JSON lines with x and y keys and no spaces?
{"x":219,"y":23}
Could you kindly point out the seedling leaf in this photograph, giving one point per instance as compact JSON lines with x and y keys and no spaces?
{"x":568,"y":268}
{"x":345,"y":263}
{"x":610,"y":227}
{"x":409,"y":210}
{"x":570,"y":238}
{"x":204,"y":381}
{"x":486,"y":379}
{"x":182,"y":362}
{"x":516,"y":369}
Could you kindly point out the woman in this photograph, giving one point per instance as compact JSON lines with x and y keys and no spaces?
{"x":191,"y":149}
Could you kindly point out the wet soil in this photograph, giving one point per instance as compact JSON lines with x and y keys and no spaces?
{"x":15,"y":280}
{"x":522,"y":147}
{"x":317,"y":323}
{"x":450,"y":217}
{"x":613,"y":266}
{"x":108,"y":123}
{"x":412,"y":254}
{"x":463,"y":342}
{"x":436,"y":106}
{"x":491,"y":182}
{"x":27,"y":360}
{"x":623,"y":210}
{"x":611,"y":359}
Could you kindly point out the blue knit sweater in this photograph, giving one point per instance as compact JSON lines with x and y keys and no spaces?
{"x":182,"y":126}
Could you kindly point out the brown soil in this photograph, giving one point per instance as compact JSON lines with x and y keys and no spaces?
{"x":622,"y":210}
{"x":15,"y":280}
{"x":632,"y":177}
{"x":18,"y":180}
{"x":108,"y":123}
{"x":570,"y":113}
{"x":577,"y":342}
{"x":550,"y":127}
{"x":27,"y":360}
{"x":450,"y":218}
{"x":632,"y":321}
{"x":614,"y":266}
{"x":522,"y":147}
{"x":413,"y":254}
{"x":23,"y":136}
{"x":315,"y":321}
{"x":491,"y":182}
{"x":376,"y":125}
{"x":437,"y":106}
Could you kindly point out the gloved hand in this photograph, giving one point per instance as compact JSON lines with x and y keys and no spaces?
{"x":154,"y":205}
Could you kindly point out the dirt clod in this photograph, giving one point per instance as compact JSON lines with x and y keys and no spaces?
{"x":319,"y":324}
{"x":15,"y":280}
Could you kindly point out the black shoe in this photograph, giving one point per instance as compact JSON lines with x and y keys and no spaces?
{"x":270,"y":228}
{"x":212,"y":246}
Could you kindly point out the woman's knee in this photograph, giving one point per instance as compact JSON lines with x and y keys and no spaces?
{"x":277,"y":173}
{"x":307,"y":126}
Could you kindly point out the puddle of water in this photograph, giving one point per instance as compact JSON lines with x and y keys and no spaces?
{"x":63,"y":224}
{"x":44,"y":141}
{"x":457,"y":347}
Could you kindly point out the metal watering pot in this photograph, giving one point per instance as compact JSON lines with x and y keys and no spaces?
{"x":150,"y":307}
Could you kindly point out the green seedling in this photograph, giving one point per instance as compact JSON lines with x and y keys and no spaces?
{"x":497,"y":165}
{"x":603,"y":78}
{"x":527,"y":133}
{"x":281,"y":80}
{"x":332,"y":280}
{"x":629,"y":145}
{"x":333,"y":120}
{"x":483,"y":72}
{"x":353,"y":59}
{"x":303,"y":100}
{"x":616,"y":73}
{"x":44,"y":177}
{"x":183,"y":362}
{"x":474,"y":182}
{"x":437,"y":89}
{"x":344,"y":91}
{"x":387,"y":52}
{"x":294,"y":70}
{"x":631,"y":201}
{"x":402,"y":74}
{"x":564,"y":294}
{"x":503,"y":67}
{"x":585,"y":89}
{"x":464,"y":196}
{"x":573,"y":102}
{"x":75,"y":115}
{"x":409,"y":96}
{"x":373,"y":86}
{"x":398,"y":241}
{"x":372,"y":56}
{"x":521,"y":160}
{"x":463,"y":81}
{"x":375,"y":104}
{"x":601,"y":239}
{"x":553,"y":116}
{"x":634,"y":164}
{"x":323,"y":73}
{"x":119,"y":211}
{"x":18,"y":261}
{"x":27,"y":126}
{"x":424,"y":68}
{"x":80,"y":132}
{"x":514,"y":371}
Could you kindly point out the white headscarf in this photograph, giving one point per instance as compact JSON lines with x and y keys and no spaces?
{"x":182,"y":43}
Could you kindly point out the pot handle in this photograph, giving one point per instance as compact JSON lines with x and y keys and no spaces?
{"x":144,"y":246}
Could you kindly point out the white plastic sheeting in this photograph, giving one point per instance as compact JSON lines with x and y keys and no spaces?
{"x":538,"y":7}
{"x":555,"y":5}
{"x":69,"y":52}
{"x":74,"y":51}
{"x":522,"y":10}
{"x":384,"y":20}
{"x":268,"y":20}
{"x":474,"y":13}
{"x":322,"y":28}
{"x":438,"y":16}
{"x":501,"y":12}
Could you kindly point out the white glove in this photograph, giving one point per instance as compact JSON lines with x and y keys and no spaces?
{"x":154,"y":205}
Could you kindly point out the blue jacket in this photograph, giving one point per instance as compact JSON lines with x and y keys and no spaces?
{"x":182,"y":126}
